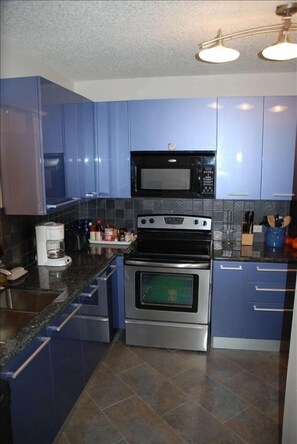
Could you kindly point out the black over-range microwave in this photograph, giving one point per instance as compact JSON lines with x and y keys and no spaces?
{"x":184,"y":174}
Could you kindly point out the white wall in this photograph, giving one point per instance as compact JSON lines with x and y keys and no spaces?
{"x":191,"y":86}
{"x":17,"y":64}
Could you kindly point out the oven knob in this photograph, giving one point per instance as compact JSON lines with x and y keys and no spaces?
{"x":204,"y":223}
{"x":152,"y":220}
{"x":143,"y":221}
{"x":196,"y":221}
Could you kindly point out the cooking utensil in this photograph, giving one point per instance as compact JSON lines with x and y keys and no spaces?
{"x":286,"y":221}
{"x":271,"y":220}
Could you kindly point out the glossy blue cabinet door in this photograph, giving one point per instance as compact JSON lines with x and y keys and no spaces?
{"x":190,"y":124}
{"x":32,"y":404}
{"x":228,"y":318}
{"x":112,"y":149}
{"x":96,"y":317}
{"x":239,"y":151}
{"x":79,"y":149}
{"x":53,"y":128}
{"x":21,"y":147}
{"x":66,"y":357}
{"x":270,"y":300}
{"x":279,"y":147}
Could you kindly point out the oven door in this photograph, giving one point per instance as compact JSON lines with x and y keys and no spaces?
{"x":167,"y":293}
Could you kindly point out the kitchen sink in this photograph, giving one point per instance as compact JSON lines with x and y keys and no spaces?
{"x":26,"y":300}
{"x":11,"y":321}
{"x":19,"y":306}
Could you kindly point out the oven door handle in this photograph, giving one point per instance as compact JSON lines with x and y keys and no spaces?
{"x":201,"y":266}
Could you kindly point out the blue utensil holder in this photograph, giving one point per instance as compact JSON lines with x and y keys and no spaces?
{"x":275,"y":237}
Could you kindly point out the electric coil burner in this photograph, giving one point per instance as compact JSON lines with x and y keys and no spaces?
{"x":167,"y":282}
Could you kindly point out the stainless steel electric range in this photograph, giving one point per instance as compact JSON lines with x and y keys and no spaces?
{"x":167,"y":282}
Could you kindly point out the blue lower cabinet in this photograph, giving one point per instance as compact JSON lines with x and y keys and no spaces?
{"x":96,"y":318}
{"x":268,"y":321}
{"x":32,"y":402}
{"x":67,"y":364}
{"x":228,"y":317}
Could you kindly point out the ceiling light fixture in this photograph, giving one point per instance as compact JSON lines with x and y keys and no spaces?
{"x":214,"y":51}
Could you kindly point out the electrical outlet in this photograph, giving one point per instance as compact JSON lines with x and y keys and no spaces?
{"x":258,"y":228}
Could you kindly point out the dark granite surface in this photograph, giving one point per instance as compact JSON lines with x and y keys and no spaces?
{"x":258,"y":252}
{"x":68,"y":280}
{"x":87,"y":265}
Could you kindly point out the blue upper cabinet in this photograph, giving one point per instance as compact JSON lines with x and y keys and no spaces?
{"x":52,"y":128}
{"x":112,"y":149}
{"x":279,"y":142}
{"x":80,"y":162}
{"x":189,"y":124}
{"x":22,"y":175}
{"x":239,"y":151}
{"x":35,"y":145}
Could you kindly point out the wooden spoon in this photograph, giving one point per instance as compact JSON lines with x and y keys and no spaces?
{"x":286,"y":221}
{"x":271,"y":220}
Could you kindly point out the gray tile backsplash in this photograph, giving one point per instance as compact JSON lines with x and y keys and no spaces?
{"x":17,"y":234}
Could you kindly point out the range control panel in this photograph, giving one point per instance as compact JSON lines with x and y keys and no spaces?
{"x":174,"y":222}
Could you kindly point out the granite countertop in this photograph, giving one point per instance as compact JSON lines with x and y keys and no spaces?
{"x":258,"y":252}
{"x":69,"y":280}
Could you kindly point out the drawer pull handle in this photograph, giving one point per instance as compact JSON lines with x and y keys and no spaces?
{"x":90,"y":294}
{"x":284,"y":194}
{"x":104,"y":279}
{"x":239,"y":194}
{"x":223,"y":267}
{"x":22,"y":367}
{"x":273,"y":289}
{"x":284,"y":270}
{"x":59,"y":327}
{"x":272,"y":309}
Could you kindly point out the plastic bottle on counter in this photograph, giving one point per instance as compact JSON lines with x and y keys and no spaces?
{"x":115,"y":234}
{"x":99,"y":226}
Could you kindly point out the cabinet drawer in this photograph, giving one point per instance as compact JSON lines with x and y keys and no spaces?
{"x":281,"y":274}
{"x":270,"y":292}
{"x":95,"y":328}
{"x":268,"y":321}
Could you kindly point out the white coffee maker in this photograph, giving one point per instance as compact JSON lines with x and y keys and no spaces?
{"x":50,"y":245}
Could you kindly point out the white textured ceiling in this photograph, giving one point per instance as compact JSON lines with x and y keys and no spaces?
{"x":89,"y":40}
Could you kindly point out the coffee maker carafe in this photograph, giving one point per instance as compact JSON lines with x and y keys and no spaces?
{"x":50,"y":245}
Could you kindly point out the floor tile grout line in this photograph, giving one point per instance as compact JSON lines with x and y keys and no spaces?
{"x":154,"y":411}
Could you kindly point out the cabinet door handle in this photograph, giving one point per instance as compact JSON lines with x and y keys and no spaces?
{"x":90,"y":294}
{"x":238,"y":194}
{"x":223,"y":267}
{"x":22,"y":367}
{"x":284,"y":194}
{"x":273,"y":289}
{"x":113,"y":267}
{"x":272,"y":309}
{"x":59,"y":327}
{"x":283,"y":270}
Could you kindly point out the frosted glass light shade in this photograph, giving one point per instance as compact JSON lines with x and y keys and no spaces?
{"x":219,"y":54}
{"x":283,"y":49}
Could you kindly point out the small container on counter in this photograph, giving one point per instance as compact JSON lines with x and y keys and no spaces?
{"x":275,"y":237}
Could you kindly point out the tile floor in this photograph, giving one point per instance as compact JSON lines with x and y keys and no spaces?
{"x":148,"y":395}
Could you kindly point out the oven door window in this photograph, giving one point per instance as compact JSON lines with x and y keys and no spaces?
{"x":167,"y":291}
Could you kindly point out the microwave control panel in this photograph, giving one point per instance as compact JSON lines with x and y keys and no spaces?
{"x":207,"y":181}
